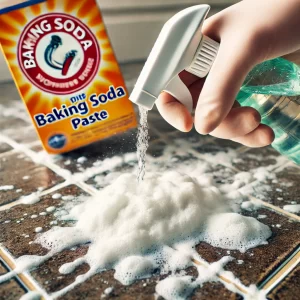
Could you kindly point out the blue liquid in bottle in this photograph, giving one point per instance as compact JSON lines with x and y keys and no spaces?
{"x":273,"y":89}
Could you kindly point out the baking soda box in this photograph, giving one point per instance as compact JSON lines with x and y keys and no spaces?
{"x":66,"y":72}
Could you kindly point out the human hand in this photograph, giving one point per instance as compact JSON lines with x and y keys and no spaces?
{"x":249,"y":33}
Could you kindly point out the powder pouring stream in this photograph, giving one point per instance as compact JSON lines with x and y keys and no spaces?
{"x":142,"y":143}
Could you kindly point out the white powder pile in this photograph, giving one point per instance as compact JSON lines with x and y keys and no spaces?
{"x":234,"y":231}
{"x":136,"y":228}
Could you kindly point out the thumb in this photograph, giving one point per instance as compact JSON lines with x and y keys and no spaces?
{"x":222,"y":85}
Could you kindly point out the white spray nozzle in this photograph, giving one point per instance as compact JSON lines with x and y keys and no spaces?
{"x":180,"y":46}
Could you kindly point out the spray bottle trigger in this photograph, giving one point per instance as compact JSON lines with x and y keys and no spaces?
{"x":180,"y":92}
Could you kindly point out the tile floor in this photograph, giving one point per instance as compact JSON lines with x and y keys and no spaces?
{"x":274,"y":267}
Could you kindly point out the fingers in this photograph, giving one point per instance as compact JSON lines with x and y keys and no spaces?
{"x":221,"y":87}
{"x":174,"y":112}
{"x":260,"y":137}
{"x":239,"y":122}
{"x":188,"y":78}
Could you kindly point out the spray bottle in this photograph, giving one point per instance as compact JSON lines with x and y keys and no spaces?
{"x":271,"y":87}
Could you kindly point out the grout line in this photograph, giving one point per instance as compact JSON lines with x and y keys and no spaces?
{"x":242,"y":290}
{"x":33,"y":144}
{"x":280,"y":164}
{"x":203,"y":157}
{"x":8,"y":153}
{"x":283,"y":271}
{"x":91,"y":190}
{"x":8,"y":269}
{"x":87,"y":188}
{"x":43,"y":193}
{"x":276,"y":208}
{"x":25,"y":278}
{"x":196,"y":153}
{"x":66,"y":174}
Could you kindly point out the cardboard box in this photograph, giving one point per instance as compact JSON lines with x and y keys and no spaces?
{"x":66,"y":72}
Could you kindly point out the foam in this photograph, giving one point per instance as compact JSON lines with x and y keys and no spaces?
{"x":133,"y":268}
{"x":180,"y":287}
{"x":81,"y":159}
{"x":6,"y":187}
{"x":51,"y":209}
{"x":176,"y":288}
{"x":31,"y":199}
{"x":136,"y":228}
{"x":31,"y":296}
{"x":293,"y":208}
{"x":251,"y":205}
{"x":56,"y":196}
{"x":108,"y":290}
{"x":236,"y":232}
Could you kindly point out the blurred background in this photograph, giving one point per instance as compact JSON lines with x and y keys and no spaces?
{"x":133,"y":25}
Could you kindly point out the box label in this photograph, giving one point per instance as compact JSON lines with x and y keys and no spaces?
{"x":65,"y":69}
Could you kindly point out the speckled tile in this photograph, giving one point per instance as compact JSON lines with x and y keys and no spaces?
{"x":13,"y":113}
{"x":18,"y":229}
{"x":214,"y":291}
{"x":103,"y":179}
{"x":284,"y":190}
{"x":9,"y":93}
{"x":24,"y":175}
{"x":4,"y":147}
{"x":49,"y":277}
{"x":191,"y":139}
{"x":10,"y":290}
{"x":16,"y":237}
{"x":254,"y":158}
{"x":210,"y":290}
{"x":18,"y":223}
{"x":130,"y":73}
{"x":208,"y":145}
{"x":157,"y":121}
{"x":9,"y":124}
{"x":21,"y":135}
{"x":289,"y":288}
{"x":94,"y":288}
{"x":156,"y":149}
{"x":86,"y":157}
{"x":257,"y":263}
{"x":38,"y":147}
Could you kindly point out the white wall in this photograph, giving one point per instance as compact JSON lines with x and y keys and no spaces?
{"x":133,"y":25}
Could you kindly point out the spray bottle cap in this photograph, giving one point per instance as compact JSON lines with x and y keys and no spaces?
{"x":180,"y":46}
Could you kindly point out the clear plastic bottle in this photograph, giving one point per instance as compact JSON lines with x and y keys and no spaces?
{"x":273,"y":89}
